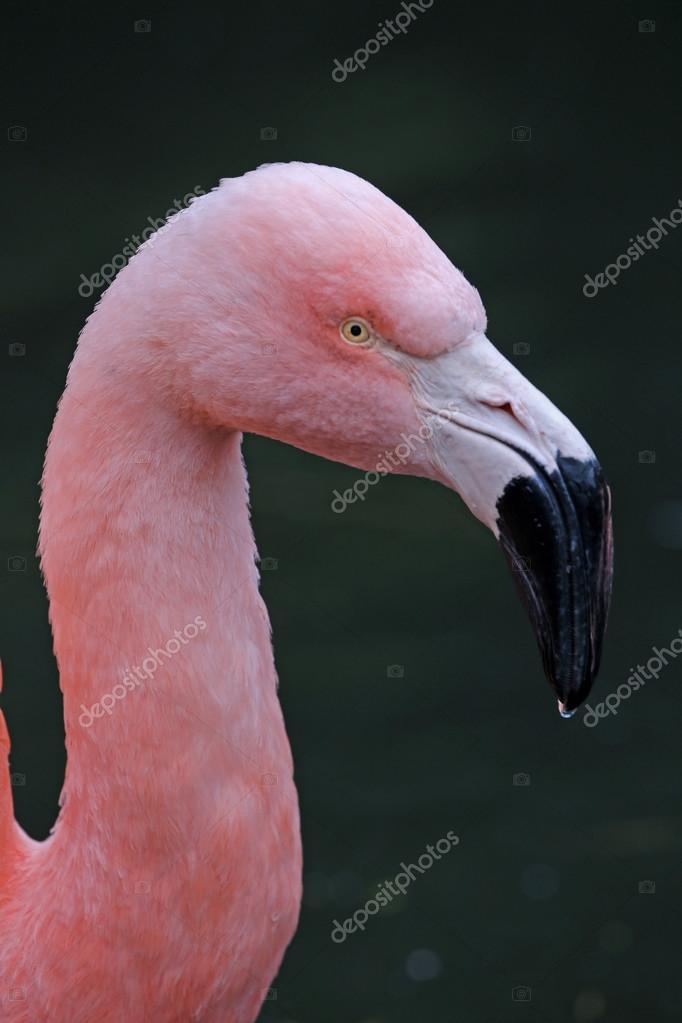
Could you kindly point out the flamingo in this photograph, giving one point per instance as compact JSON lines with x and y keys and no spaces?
{"x":299,"y":303}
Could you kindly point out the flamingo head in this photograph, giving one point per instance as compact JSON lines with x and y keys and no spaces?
{"x":324,"y":316}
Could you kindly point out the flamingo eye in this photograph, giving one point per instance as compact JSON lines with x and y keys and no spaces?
{"x":355,"y":331}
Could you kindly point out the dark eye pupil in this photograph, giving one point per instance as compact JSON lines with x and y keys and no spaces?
{"x":356,"y":330}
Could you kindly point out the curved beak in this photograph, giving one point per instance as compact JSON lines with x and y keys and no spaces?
{"x":525,"y":471}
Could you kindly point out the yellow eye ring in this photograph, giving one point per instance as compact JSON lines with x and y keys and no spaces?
{"x":355,"y":331}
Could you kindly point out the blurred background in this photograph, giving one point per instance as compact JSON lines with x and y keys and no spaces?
{"x":532,"y":144}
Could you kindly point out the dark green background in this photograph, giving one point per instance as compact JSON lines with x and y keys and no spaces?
{"x":543,"y":889}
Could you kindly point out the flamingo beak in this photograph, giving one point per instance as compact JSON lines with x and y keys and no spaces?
{"x":526,"y":472}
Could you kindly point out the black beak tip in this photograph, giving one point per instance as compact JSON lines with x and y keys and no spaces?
{"x":555,"y":530}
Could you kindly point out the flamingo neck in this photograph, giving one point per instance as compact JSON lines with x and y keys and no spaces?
{"x":161,"y":637}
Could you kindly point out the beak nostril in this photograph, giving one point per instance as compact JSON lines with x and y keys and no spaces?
{"x":497,"y":399}
{"x":516,"y":411}
{"x":500,"y":403}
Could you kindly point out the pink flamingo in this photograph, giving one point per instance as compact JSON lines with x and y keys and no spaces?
{"x":299,"y":303}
